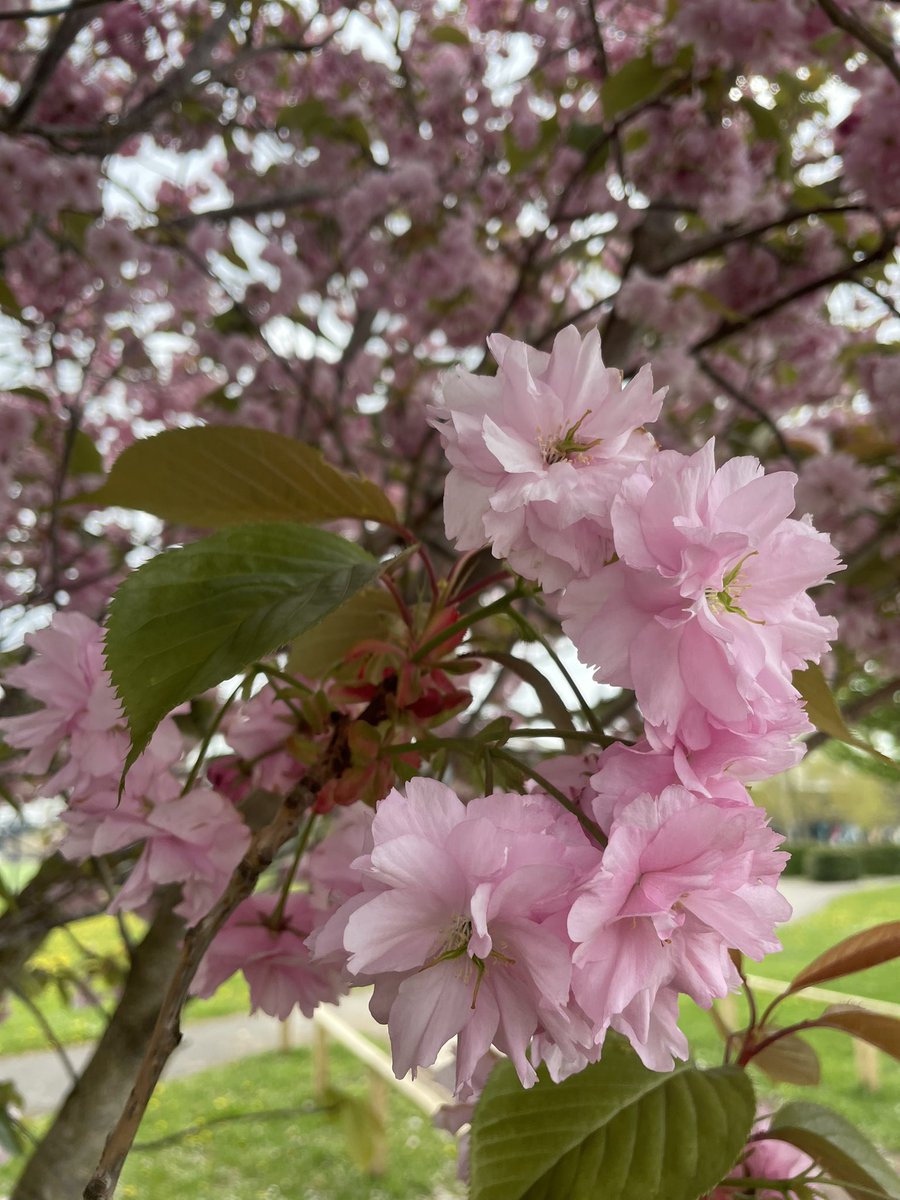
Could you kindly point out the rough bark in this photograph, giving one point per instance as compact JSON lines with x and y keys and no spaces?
{"x":65,"y":1158}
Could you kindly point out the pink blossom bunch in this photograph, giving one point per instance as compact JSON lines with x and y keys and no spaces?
{"x":538,"y":452}
{"x":687,"y":584}
{"x":266,"y":941}
{"x":194,"y":839}
{"x":705,"y":612}
{"x":461,"y":925}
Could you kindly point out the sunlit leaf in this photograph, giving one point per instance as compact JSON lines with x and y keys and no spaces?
{"x":855,"y":953}
{"x":213,"y":476}
{"x":821,"y":708}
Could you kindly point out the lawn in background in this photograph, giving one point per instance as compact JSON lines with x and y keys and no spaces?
{"x":69,"y":952}
{"x":301,"y":1155}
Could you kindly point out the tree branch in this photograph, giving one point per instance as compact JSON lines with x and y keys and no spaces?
{"x":167,"y":1032}
{"x":279,"y":202}
{"x":745,"y":402}
{"x":865,"y":35}
{"x":61,"y":10}
{"x":727,"y":328}
{"x":76,"y":16}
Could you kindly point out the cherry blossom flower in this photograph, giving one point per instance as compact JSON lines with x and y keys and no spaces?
{"x":196,"y":840}
{"x":454,"y":923}
{"x":269,"y":948}
{"x":705,"y":613}
{"x":538,"y":452}
{"x":681,"y":880}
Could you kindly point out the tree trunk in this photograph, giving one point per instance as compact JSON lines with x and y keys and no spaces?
{"x":65,"y":1159}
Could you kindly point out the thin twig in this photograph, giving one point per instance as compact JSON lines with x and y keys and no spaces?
{"x":728,"y":327}
{"x":865,"y":35}
{"x":745,"y":402}
{"x":45,"y":1026}
{"x":263,"y":1114}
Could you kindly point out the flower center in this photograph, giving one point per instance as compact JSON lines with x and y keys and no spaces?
{"x":726,"y":598}
{"x":456,"y":945}
{"x":567,"y":445}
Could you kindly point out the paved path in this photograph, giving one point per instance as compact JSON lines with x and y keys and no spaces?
{"x":808,"y":895}
{"x":42,"y":1080}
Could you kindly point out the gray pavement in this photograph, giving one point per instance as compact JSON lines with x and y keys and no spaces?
{"x":808,"y":895}
{"x":42,"y":1079}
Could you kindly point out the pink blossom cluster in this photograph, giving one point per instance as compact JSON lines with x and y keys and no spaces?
{"x":191,"y":838}
{"x":502,"y":922}
{"x":681,"y":581}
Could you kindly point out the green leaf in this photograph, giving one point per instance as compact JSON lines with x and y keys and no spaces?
{"x":370,"y":614}
{"x":85,"y":458}
{"x":213,"y":476}
{"x":638,"y":80}
{"x":74,"y":226}
{"x":449,"y":34}
{"x":316,"y":118}
{"x":9,"y":304}
{"x":789,"y":1060}
{"x":838,"y":1147}
{"x":616,"y":1130}
{"x":858,"y":952}
{"x":234,"y":320}
{"x":197,"y":615}
{"x":821,"y":708}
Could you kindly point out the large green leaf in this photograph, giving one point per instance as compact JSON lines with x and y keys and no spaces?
{"x":212,"y":476}
{"x":616,"y":1130}
{"x":839,"y":1148}
{"x":200,"y":614}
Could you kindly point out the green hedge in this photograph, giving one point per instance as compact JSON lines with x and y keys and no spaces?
{"x":873,"y":860}
{"x":796,"y":850}
{"x":880,"y":860}
{"x":831,"y":863}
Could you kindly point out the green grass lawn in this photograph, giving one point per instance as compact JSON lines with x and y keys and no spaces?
{"x":301,"y":1155}
{"x":83,"y":1021}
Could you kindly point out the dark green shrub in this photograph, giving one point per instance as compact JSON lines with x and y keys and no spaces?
{"x":797,"y":851}
{"x":880,"y":860}
{"x":831,"y":863}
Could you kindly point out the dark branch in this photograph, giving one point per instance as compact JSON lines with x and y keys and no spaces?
{"x":279,"y":202}
{"x":61,"y":10}
{"x":865,"y":35}
{"x":745,"y":402}
{"x":843,"y":274}
{"x":75,"y":18}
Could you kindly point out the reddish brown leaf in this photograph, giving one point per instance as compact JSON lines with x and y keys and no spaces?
{"x":789,"y":1060}
{"x":856,"y":953}
{"x":875,"y":1028}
